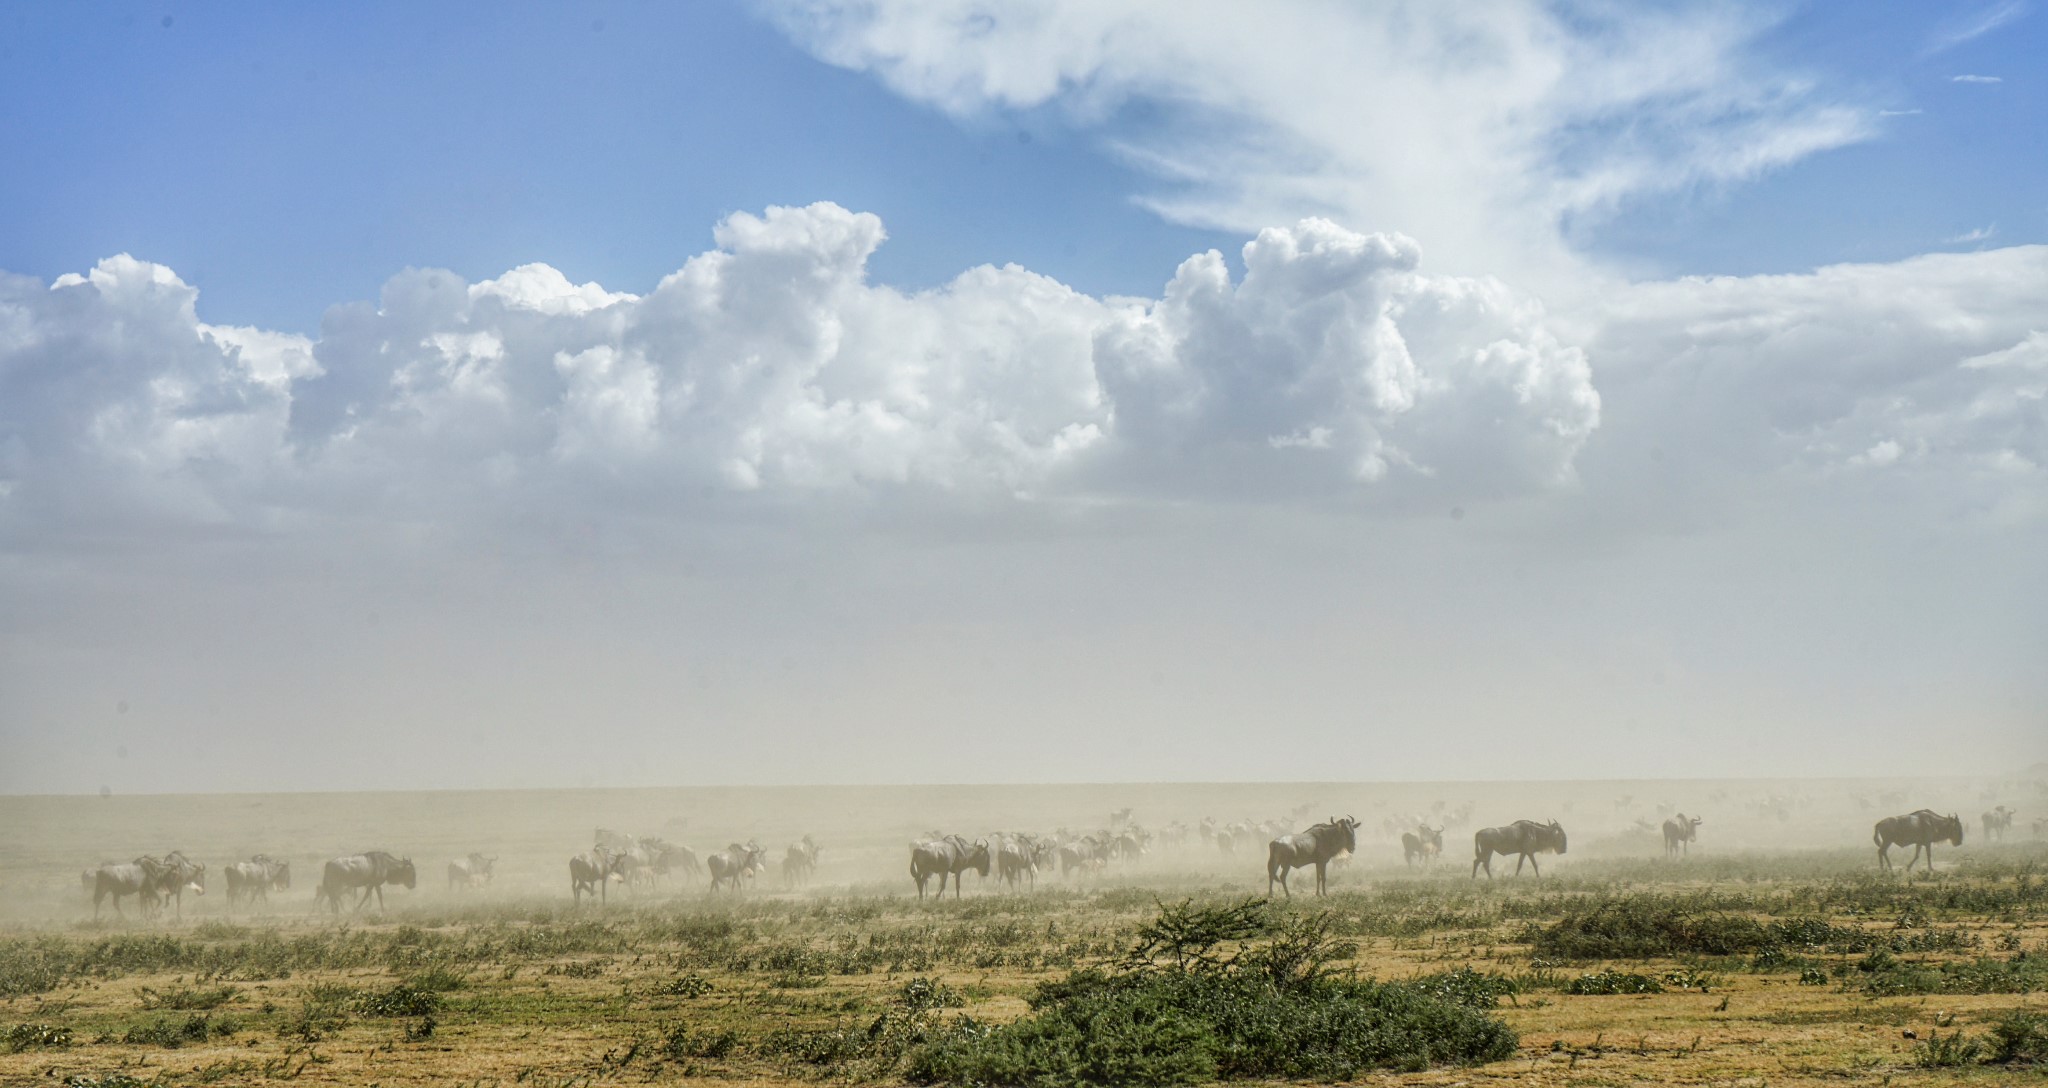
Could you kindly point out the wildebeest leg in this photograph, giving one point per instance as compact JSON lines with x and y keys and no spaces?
{"x":1536,"y":865}
{"x":1519,"y":859}
{"x":1322,"y":876}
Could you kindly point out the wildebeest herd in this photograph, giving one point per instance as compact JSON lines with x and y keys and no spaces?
{"x":1015,"y":858}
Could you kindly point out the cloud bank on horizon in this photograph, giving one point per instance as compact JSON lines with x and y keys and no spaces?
{"x":1335,"y":369}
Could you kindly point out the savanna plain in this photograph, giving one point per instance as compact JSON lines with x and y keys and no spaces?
{"x":1770,"y":950}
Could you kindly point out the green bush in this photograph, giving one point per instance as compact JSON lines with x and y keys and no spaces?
{"x":1887,"y":976}
{"x":690,"y":985}
{"x":1464,"y":986}
{"x":1614,"y":982}
{"x":2020,"y":1037}
{"x":22,"y":1037}
{"x":171,"y":1034}
{"x":680,"y":1043}
{"x":1640,"y":927}
{"x":1947,"y":1052}
{"x":400,"y":1000}
{"x":923,"y":994}
{"x":1182,"y":1008}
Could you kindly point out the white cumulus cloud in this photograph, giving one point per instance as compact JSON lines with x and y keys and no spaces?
{"x":1939,"y":362}
{"x":772,"y":363}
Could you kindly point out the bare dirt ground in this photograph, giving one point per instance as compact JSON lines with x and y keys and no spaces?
{"x":1775,"y":954}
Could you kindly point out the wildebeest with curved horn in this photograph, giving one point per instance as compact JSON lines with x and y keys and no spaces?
{"x":1680,"y":832}
{"x":140,"y":878}
{"x":1523,"y":838}
{"x":365,"y":873}
{"x":1315,"y":846}
{"x":949,"y":856}
{"x":1017,"y":860}
{"x":181,"y":875}
{"x":670,"y":857}
{"x":1424,"y":844}
{"x":1087,"y":854}
{"x":734,"y":863}
{"x":1919,"y":830}
{"x":254,"y":879}
{"x":590,"y":873}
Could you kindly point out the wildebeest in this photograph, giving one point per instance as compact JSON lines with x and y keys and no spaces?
{"x":949,"y":856}
{"x":1523,"y":838}
{"x":140,"y":878}
{"x":735,"y":863}
{"x":799,"y":862}
{"x":474,"y":871}
{"x":1088,"y":854}
{"x":181,"y":875}
{"x":1920,"y":830}
{"x":1315,"y":846}
{"x":1016,"y":861}
{"x":365,"y":873}
{"x":1423,"y":844}
{"x":667,"y":857}
{"x":1680,"y":832}
{"x":590,"y":873}
{"x":251,"y":880}
{"x":1997,"y":822}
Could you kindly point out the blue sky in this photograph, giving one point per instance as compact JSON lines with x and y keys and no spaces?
{"x":285,"y":159}
{"x":288,"y":159}
{"x":816,"y":376}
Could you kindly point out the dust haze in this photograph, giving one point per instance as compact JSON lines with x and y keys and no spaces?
{"x":864,"y":832}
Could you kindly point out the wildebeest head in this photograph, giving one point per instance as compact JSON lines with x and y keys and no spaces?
{"x":1557,"y":835}
{"x":1347,"y":834}
{"x":404,"y":873}
{"x":977,"y":857}
{"x":1955,"y":829}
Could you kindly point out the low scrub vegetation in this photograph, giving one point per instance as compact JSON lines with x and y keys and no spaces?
{"x":1181,"y":1009}
{"x":1882,"y":974}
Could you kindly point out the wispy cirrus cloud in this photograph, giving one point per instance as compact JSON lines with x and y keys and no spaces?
{"x":1474,"y":128}
{"x":1970,"y":78}
{"x":1976,"y":234}
{"x":1975,"y":25}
